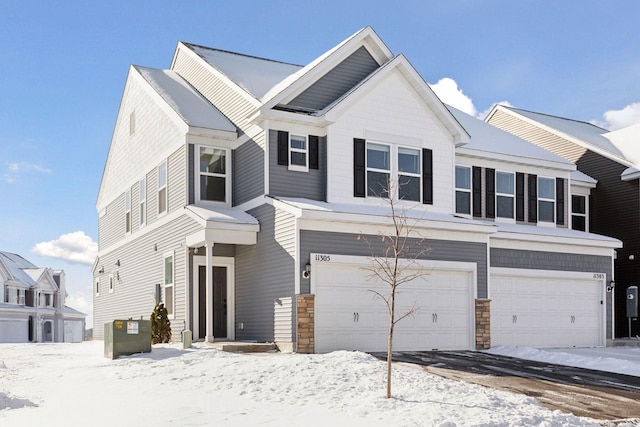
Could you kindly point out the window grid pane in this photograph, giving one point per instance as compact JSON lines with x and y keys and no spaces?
{"x":378,"y":157}
{"x":463,"y":178}
{"x":213,"y":160}
{"x":408,"y":160}
{"x":409,"y":188}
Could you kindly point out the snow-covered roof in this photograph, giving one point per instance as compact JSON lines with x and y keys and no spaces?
{"x":223,"y":215}
{"x":581,"y":178}
{"x":627,"y":140}
{"x":192,"y":107}
{"x":515,"y":231}
{"x":255,"y":75}
{"x":497,"y":143}
{"x":16,"y":266}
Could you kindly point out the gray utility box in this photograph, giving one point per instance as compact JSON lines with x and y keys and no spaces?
{"x":632,"y":301}
{"x":123,"y":337}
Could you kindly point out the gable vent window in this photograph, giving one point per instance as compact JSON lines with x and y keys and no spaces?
{"x":132,"y":123}
{"x":504,"y":194}
{"x":579,"y":212}
{"x":213,"y":174}
{"x":463,"y":190}
{"x":162,"y":188}
{"x":546,"y":199}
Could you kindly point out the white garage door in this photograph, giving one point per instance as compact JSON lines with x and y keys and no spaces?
{"x":348,"y":316}
{"x":73,"y":331}
{"x":546,"y":309}
{"x":14,"y":330}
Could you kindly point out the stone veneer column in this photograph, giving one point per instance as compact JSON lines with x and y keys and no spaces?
{"x":483,"y":324}
{"x":305,"y":311}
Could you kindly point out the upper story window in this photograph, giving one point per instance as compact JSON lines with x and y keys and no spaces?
{"x":162,"y":188}
{"x":46,"y":300}
{"x":504,"y":194}
{"x":298,"y":153}
{"x":143,"y":201}
{"x":213,"y":179}
{"x":168,"y":282}
{"x":579,"y":212}
{"x":14,"y":295}
{"x":546,"y":199}
{"x":409,"y":174}
{"x":127,"y":211}
{"x":378,"y":169}
{"x":463,"y":190}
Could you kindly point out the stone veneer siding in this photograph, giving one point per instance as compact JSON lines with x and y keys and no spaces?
{"x":483,"y":324}
{"x":305,"y":310}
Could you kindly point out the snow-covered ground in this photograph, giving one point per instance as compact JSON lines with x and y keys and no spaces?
{"x":622,"y":360}
{"x":74,"y":385}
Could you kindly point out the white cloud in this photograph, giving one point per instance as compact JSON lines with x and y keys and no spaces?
{"x":618,"y":119}
{"x":73,"y":247}
{"x":449,"y":93}
{"x":483,"y":114}
{"x":14,"y":169}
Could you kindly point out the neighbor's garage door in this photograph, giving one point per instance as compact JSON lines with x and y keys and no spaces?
{"x":546,"y":309}
{"x":349,"y":317}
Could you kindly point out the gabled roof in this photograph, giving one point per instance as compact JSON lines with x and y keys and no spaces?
{"x":16,"y":265}
{"x":193,"y":108}
{"x":491,"y":142}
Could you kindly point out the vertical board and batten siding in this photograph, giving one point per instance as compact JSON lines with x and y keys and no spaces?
{"x":141,"y":269}
{"x":614,"y":206}
{"x":338,"y":81}
{"x":555,"y":261}
{"x":264,"y":273}
{"x":248,"y":172}
{"x":132,"y":155}
{"x":348,"y":244}
{"x":390,"y":113}
{"x":286,"y":183}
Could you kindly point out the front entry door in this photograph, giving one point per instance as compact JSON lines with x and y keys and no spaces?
{"x":219,"y":302}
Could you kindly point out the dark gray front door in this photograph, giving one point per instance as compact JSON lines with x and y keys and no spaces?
{"x":219,"y":302}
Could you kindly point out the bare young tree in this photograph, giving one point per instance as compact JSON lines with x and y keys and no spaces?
{"x":394,"y":256}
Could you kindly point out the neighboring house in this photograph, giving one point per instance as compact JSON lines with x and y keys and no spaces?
{"x":32,"y":307}
{"x":613,"y":209}
{"x":236,"y":187}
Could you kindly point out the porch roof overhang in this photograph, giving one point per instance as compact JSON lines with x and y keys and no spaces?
{"x":222,"y":225}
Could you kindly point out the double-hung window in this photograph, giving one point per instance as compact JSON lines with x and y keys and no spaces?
{"x":546,"y":199}
{"x":127,"y":211}
{"x":168,"y":282}
{"x":298,"y":153}
{"x":463,"y":190}
{"x":504,"y":194}
{"x":378,"y":169}
{"x":143,"y":201}
{"x":579,"y":212}
{"x":409,"y":176}
{"x":162,"y":188}
{"x":213,"y":174}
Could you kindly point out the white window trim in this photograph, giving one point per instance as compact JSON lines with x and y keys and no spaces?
{"x":544,"y":199}
{"x":226,"y":176}
{"x":463,"y":190}
{"x":585,"y":214}
{"x":299,"y":168}
{"x":142,"y":206}
{"x":512,"y":196}
{"x":127,"y":212}
{"x":395,"y":151}
{"x":171,"y":255}
{"x":165,"y":187}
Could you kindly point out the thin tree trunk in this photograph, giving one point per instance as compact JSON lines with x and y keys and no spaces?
{"x":390,"y":342}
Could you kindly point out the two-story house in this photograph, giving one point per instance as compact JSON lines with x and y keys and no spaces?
{"x":236,"y":188}
{"x":32,"y":308}
{"x":613,"y":209}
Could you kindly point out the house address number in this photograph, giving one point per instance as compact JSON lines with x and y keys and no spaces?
{"x":323,"y":258}
{"x":599,"y":276}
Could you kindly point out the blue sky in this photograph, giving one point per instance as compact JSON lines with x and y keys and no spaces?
{"x":64,"y":65}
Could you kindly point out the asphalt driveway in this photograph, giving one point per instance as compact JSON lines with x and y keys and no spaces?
{"x":583,"y":392}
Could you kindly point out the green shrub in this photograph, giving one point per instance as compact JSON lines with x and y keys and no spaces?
{"x":160,"y":325}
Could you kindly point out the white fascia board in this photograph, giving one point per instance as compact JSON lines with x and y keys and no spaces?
{"x":514,"y":159}
{"x":566,"y":136}
{"x":222,"y":235}
{"x":239,"y":90}
{"x":630,"y":174}
{"x":265,"y":114}
{"x":285,"y":207}
{"x":506,"y":240}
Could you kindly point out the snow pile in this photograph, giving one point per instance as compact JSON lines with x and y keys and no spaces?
{"x":73,"y":385}
{"x":621,"y":360}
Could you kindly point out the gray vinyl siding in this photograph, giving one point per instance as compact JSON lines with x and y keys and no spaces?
{"x":348,"y":244}
{"x":536,"y":260}
{"x":336,"y":82}
{"x":248,"y":172}
{"x":286,"y":183}
{"x":264,"y":273}
{"x":140,"y":270}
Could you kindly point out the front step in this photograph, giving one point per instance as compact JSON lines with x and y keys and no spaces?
{"x":245,"y":347}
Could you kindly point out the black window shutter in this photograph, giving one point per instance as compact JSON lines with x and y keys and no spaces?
{"x":533,"y":198}
{"x":490,"y":175}
{"x":427,"y":176}
{"x":313,"y":152}
{"x":519,"y":196}
{"x":283,"y":148}
{"x":560,"y":201}
{"x":477,"y":191}
{"x":359,"y":168}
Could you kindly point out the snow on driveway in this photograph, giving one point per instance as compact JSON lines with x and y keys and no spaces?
{"x":74,"y":385}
